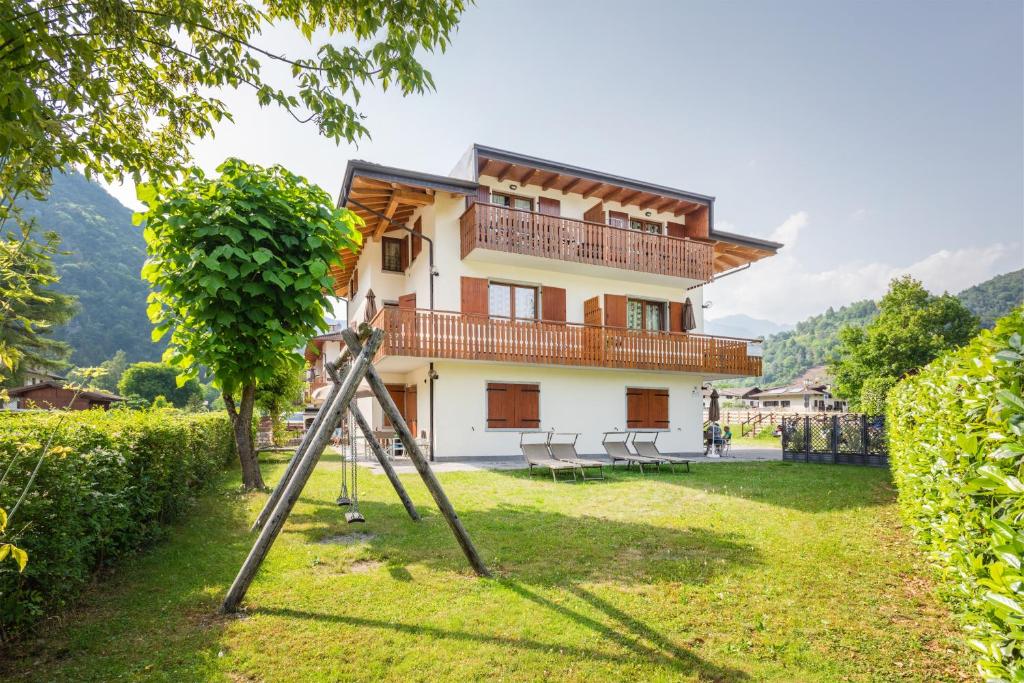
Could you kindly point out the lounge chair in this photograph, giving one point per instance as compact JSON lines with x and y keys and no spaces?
{"x":618,"y":449}
{"x":648,"y":447}
{"x":538,"y":455}
{"x":564,"y":449}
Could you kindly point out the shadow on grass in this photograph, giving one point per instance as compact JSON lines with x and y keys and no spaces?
{"x":798,"y":486}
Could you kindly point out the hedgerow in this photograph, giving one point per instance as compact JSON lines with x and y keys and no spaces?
{"x":109,"y":483}
{"x":956,"y":444}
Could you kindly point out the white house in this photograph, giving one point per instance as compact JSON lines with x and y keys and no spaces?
{"x":523,"y":294}
{"x":798,"y":397}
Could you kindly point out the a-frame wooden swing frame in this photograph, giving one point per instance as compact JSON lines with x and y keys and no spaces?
{"x":284,"y":496}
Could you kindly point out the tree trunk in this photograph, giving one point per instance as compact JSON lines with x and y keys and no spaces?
{"x":241,"y":422}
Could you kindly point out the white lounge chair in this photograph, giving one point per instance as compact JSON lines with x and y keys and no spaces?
{"x":562,"y":447}
{"x":647,"y":446}
{"x":538,"y":455}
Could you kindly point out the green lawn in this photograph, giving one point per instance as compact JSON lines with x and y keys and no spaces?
{"x":759,"y":571}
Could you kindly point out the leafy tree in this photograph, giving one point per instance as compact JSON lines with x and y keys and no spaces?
{"x":239,"y":270}
{"x":912,"y":328}
{"x":120,"y":87}
{"x":149,"y":381}
{"x":280,"y":394}
{"x":874,"y":393}
{"x":109,"y":377}
{"x":29,"y":306}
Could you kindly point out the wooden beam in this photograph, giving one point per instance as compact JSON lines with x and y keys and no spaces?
{"x":593,"y":191}
{"x":628,"y":198}
{"x":654,"y":201}
{"x":550,"y":181}
{"x":382,"y":225}
{"x":572,"y":185}
{"x":503,"y":173}
{"x":412,"y":450}
{"x":530,"y":175}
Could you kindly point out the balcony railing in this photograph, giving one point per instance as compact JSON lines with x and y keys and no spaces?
{"x":488,"y":226}
{"x":463,"y":336}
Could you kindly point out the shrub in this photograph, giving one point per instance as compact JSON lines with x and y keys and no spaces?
{"x":874,"y":393}
{"x":150,"y":381}
{"x":109,"y":483}
{"x":956,"y":434}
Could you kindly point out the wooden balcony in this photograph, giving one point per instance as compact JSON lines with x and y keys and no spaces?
{"x":488,"y":226}
{"x":462,"y":336}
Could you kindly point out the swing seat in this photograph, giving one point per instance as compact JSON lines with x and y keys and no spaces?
{"x":343,"y":501}
{"x":354,"y":517}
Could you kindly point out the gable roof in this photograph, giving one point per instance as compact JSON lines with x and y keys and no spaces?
{"x":93,"y":394}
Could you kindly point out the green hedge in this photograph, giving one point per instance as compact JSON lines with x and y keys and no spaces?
{"x":956,"y":434}
{"x":114,"y":478}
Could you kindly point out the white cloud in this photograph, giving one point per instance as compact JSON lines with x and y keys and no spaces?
{"x":786,"y":289}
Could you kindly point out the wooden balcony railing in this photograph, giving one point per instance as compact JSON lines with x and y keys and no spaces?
{"x":443,"y":334}
{"x":488,"y":226}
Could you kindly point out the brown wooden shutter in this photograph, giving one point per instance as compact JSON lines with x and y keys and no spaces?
{"x":527,"y":406}
{"x":675,"y":316}
{"x":411,"y":409}
{"x":483,"y":194}
{"x":614,"y":310}
{"x":676,"y":229}
{"x":500,"y":408}
{"x":636,"y":408}
{"x":417,"y":241}
{"x":549,"y":207}
{"x":553,"y":303}
{"x":592,"y":311}
{"x":397,"y":392}
{"x":595,"y":214}
{"x":624,"y":217}
{"x":407,"y":301}
{"x":404,"y":253}
{"x":657,"y":408}
{"x":474,"y":295}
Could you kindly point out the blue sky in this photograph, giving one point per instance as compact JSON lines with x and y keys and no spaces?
{"x":874,"y":138}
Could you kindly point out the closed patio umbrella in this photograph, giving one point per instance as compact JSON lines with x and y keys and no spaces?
{"x":714,"y":412}
{"x":371,"y":305}
{"x":689,"y":322}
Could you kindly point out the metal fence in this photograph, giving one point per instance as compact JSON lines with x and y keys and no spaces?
{"x":843,"y":439}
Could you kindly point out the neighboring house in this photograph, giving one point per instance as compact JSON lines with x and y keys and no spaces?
{"x":737,"y":396}
{"x":797,"y":397}
{"x":556,"y":301}
{"x":51,"y":394}
{"x":37,"y":375}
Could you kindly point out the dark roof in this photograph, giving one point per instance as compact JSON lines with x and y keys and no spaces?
{"x":85,"y":393}
{"x":391,"y":174}
{"x":589,"y":174}
{"x":787,"y":390}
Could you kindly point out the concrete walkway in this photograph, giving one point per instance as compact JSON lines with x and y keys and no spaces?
{"x":498,"y":462}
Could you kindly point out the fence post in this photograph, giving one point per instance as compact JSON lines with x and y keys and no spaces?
{"x":835,"y":438}
{"x":807,"y":438}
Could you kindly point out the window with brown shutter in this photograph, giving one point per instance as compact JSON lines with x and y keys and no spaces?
{"x":646,"y":408}
{"x":513,"y":406}
{"x":549,"y":206}
{"x":675,"y":317}
{"x":392,"y":253}
{"x":474,"y":295}
{"x":614,"y":310}
{"x":552,"y":301}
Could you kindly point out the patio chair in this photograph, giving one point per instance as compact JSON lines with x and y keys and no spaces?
{"x":618,"y":449}
{"x":715,"y":443}
{"x":648,"y":447}
{"x":538,"y":455}
{"x":562,"y":448}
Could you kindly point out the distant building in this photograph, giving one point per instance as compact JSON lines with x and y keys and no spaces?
{"x":797,"y":397}
{"x":738,"y":395}
{"x":39,"y":375}
{"x":52,"y":394}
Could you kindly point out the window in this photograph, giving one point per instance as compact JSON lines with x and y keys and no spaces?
{"x":510,"y":201}
{"x":393,"y":254}
{"x":513,"y":406}
{"x":645,"y":315}
{"x":512,"y":301}
{"x":646,"y":408}
{"x":645,"y":226}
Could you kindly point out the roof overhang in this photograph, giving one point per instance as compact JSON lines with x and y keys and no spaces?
{"x":384,"y":196}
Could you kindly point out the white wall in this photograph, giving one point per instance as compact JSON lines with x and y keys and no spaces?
{"x":590,"y":402}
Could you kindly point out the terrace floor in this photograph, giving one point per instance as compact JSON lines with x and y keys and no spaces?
{"x":741,"y":571}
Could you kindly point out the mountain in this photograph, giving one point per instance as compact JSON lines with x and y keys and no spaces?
{"x":995,"y":298}
{"x":740,"y":325}
{"x":101,"y":268}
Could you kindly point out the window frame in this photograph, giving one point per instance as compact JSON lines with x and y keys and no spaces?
{"x":644,"y":303}
{"x":395,"y":242}
{"x":512,"y":300}
{"x":649,"y":223}
{"x":512,"y":197}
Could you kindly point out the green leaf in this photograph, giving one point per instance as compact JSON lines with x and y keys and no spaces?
{"x":262,"y":255}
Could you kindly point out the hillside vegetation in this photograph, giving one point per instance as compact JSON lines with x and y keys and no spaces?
{"x":101,"y":267}
{"x":994,"y":298}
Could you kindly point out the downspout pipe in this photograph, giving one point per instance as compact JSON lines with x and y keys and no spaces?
{"x":433,"y":273}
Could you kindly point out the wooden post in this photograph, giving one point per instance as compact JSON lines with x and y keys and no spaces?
{"x":418,"y":459}
{"x":293,"y":489}
{"x":381,"y":456}
{"x":275,"y":494}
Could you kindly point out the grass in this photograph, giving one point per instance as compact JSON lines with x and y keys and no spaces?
{"x":738,"y":571}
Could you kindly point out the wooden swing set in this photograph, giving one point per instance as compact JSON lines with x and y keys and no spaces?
{"x":345,"y":377}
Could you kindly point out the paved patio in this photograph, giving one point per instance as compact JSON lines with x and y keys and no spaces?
{"x":475,"y":463}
